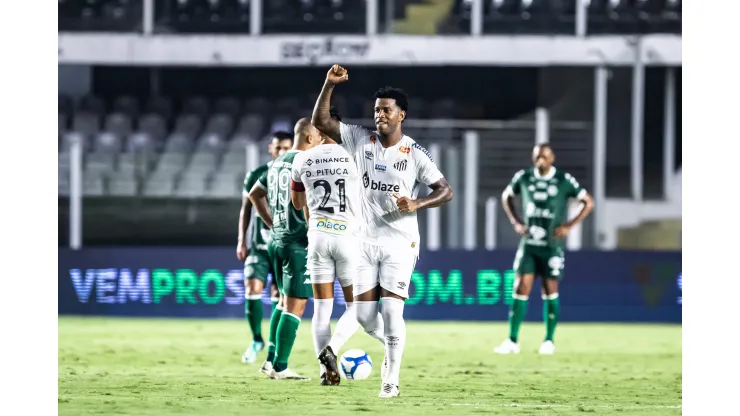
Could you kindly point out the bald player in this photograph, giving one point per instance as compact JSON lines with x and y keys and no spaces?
{"x":287,"y":247}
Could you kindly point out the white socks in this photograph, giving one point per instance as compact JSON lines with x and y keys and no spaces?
{"x":370,"y":319}
{"x":395,"y":337}
{"x":347,"y":325}
{"x":321,"y":325}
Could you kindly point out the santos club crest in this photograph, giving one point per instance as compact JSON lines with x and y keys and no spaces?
{"x":400,"y":165}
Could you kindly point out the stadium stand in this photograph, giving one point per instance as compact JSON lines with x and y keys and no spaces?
{"x":349,"y":16}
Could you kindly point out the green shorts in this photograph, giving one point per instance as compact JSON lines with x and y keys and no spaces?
{"x":545,"y":262}
{"x":289,"y":265}
{"x":258,"y":265}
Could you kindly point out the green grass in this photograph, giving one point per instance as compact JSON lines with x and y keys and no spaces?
{"x":192,"y":367}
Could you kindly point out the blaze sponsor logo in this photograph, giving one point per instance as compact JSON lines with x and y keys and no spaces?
{"x":380,"y":186}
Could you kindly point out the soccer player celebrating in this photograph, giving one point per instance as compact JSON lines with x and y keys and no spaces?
{"x":256,"y":261}
{"x":287,"y":247}
{"x":325,"y":179}
{"x":545,"y":192}
{"x":392,"y":166}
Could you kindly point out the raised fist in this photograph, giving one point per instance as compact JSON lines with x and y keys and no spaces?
{"x":336,"y":75}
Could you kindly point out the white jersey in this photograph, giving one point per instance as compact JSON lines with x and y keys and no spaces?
{"x":332,"y":185}
{"x":387,"y":171}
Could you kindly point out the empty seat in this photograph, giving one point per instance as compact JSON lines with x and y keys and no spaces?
{"x":141,"y":142}
{"x":99,"y":164}
{"x":178,"y":142}
{"x":220,"y":124}
{"x":107,"y":142}
{"x":197,"y":106}
{"x":210,"y":143}
{"x":93,"y":186}
{"x":126,"y":104}
{"x":118,"y":123}
{"x":159,"y":105}
{"x":192,"y":185}
{"x":258,"y":105}
{"x":202,"y":163}
{"x":123,"y":186}
{"x":239,"y":142}
{"x":159,"y":187}
{"x":188,"y":125}
{"x":86,"y":123}
{"x":251,"y":124}
{"x":92,"y":104}
{"x":225,"y":185}
{"x":228,"y":105}
{"x":171,"y":163}
{"x":154,"y":125}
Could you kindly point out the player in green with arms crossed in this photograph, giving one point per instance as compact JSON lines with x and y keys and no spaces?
{"x":545,"y":192}
{"x":287,"y":247}
{"x":257,"y":264}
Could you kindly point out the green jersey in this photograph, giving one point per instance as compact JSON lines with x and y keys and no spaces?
{"x":544,"y":202}
{"x":288,"y":223}
{"x":259,"y":234}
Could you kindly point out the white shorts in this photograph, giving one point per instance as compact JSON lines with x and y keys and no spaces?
{"x":391,"y":267}
{"x":332,"y":255}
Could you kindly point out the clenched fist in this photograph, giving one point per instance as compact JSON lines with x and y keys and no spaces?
{"x":336,"y":75}
{"x":405,"y":204}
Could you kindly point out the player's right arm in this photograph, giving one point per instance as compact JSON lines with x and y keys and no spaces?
{"x":245,"y":216}
{"x":258,"y":196}
{"x":321,"y":117}
{"x":297,"y":188}
{"x":507,"y":200}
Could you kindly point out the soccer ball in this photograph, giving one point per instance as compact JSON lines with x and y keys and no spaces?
{"x":356,"y":365}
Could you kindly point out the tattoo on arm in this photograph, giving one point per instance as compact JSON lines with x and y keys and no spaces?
{"x":321,"y":118}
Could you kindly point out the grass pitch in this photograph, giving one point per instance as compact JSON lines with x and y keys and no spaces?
{"x":110,"y":366}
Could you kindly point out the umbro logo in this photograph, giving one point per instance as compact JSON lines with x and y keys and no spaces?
{"x":401,"y":285}
{"x":400,"y":165}
{"x":368,"y":155}
{"x":307,"y":282}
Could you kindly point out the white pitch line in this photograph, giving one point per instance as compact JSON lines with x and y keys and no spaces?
{"x":546,"y":406}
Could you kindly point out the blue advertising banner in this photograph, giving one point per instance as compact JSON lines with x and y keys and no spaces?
{"x":621,"y":286}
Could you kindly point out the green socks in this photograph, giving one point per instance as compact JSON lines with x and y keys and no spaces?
{"x":551,"y":312}
{"x":274,"y":321}
{"x":286,"y":333}
{"x":516,"y":315}
{"x":253,"y":312}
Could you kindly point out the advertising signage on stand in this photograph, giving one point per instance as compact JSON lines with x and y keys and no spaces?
{"x":461,"y":285}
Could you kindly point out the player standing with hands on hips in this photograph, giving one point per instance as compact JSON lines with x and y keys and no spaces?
{"x":545,"y":192}
{"x":392,"y":165}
